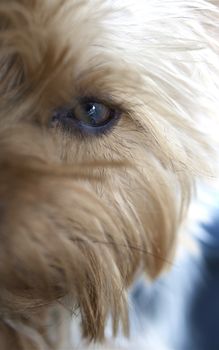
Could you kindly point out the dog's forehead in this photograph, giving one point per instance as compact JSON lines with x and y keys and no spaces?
{"x":75,"y":38}
{"x":128,"y":30}
{"x":98,"y":32}
{"x":125,"y":25}
{"x":100,"y":23}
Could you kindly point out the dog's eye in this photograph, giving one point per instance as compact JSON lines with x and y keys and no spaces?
{"x":92,"y":114}
{"x":87,"y":117}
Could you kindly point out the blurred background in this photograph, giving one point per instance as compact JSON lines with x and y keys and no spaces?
{"x":183,"y":306}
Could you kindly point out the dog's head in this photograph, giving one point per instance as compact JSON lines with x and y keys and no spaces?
{"x":102,"y":112}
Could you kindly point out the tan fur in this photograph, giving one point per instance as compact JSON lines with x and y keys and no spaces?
{"x":81,"y":217}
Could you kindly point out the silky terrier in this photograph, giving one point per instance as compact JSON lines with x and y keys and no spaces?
{"x":108,"y":117}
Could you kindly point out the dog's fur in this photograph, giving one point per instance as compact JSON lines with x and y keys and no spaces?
{"x":81,"y":217}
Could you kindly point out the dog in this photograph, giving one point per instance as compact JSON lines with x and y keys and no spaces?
{"x":108,"y":118}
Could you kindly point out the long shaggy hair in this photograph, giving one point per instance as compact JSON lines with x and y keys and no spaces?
{"x":81,"y":216}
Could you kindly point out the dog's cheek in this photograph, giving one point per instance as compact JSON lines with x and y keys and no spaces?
{"x":53,"y":244}
{"x":148,"y":204}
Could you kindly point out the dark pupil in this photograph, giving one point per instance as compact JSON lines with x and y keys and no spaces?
{"x":92,"y":112}
{"x":95,"y":114}
{"x":90,"y":108}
